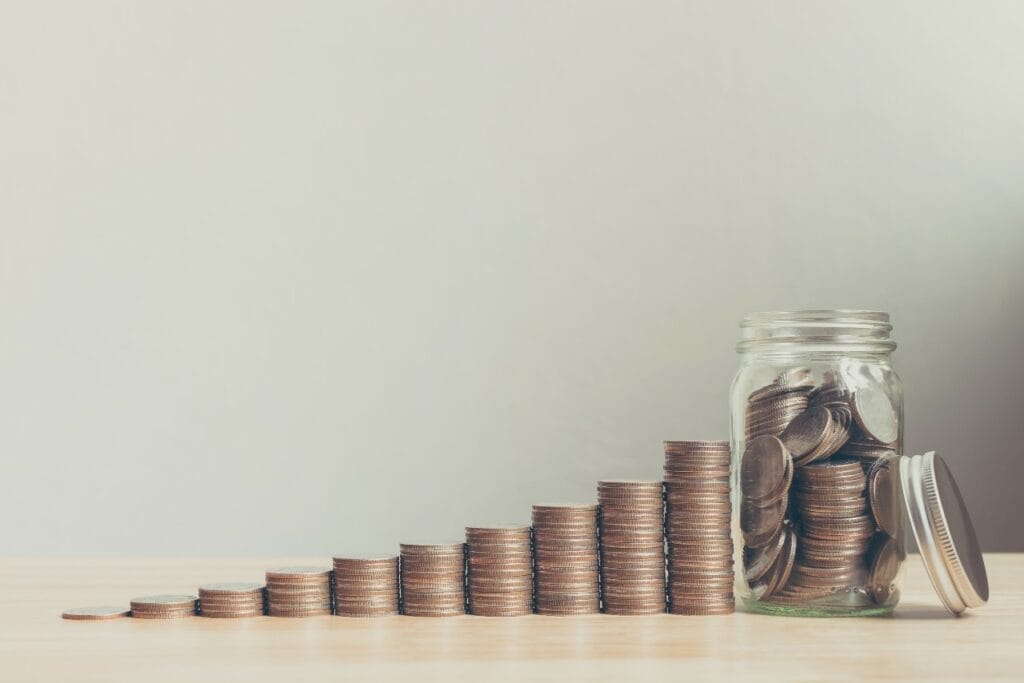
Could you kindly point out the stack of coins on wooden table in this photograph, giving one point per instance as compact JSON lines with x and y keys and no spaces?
{"x":566,"y":569}
{"x":632,"y":525}
{"x":231,"y":600}
{"x":164,"y":606}
{"x":298,"y":591}
{"x":500,"y":570}
{"x":433,"y":579}
{"x":366,"y":586}
{"x":698,"y":519}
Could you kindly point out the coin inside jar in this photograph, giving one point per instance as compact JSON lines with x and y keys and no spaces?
{"x":883,"y":494}
{"x":886,"y":557}
{"x":874,"y":413}
{"x":807,"y":431}
{"x":763,"y":469}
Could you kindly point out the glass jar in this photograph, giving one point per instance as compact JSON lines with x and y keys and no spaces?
{"x":817,"y":421}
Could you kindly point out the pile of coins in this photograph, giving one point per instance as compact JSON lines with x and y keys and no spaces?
{"x":697,"y":525}
{"x":366,"y":586}
{"x":835,"y":539}
{"x":771,"y":408}
{"x":500,"y":570}
{"x":566,"y":559}
{"x":632,"y":536}
{"x":164,"y":606}
{"x":433,"y":579}
{"x":298,"y":591}
{"x":231,"y":600}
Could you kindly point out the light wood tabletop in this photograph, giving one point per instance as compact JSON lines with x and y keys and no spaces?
{"x":919,"y":642}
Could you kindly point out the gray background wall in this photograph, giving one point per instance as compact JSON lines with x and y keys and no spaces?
{"x":305,"y":277}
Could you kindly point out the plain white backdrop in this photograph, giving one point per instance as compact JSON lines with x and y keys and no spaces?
{"x":301,"y":277}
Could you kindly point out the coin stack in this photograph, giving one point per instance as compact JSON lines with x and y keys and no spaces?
{"x":298,"y":591}
{"x":632,"y":532}
{"x":366,"y":586}
{"x":163,"y":606}
{"x":433,"y":579}
{"x":772,"y":407}
{"x":835,"y":530}
{"x":566,"y":559}
{"x":697,"y":524}
{"x":231,"y":600}
{"x":500,"y":569}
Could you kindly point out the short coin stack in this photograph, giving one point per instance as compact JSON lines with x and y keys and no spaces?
{"x":500,"y":564}
{"x":298,"y":591}
{"x":163,"y":606}
{"x":835,"y":529}
{"x":231,"y":600}
{"x":566,"y":559}
{"x":433,"y":579}
{"x":366,"y":586}
{"x":697,"y":524}
{"x":632,"y":546}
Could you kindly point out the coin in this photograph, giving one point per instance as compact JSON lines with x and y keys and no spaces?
{"x":98,"y":613}
{"x":883,"y":490}
{"x":163,"y":606}
{"x":886,"y":558}
{"x":807,"y":430}
{"x":763,"y":469}
{"x":875,"y":414}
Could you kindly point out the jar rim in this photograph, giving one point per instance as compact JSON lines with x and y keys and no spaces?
{"x":843,"y":329}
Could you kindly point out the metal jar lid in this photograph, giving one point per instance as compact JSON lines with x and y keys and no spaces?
{"x":944,"y":533}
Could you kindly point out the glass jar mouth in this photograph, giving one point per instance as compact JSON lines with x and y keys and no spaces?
{"x":842,"y":329}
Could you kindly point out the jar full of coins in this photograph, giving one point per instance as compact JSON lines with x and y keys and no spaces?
{"x":817,"y":423}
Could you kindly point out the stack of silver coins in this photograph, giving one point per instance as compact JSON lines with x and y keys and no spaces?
{"x":500,"y":570}
{"x":298,"y":591}
{"x":697,"y":524}
{"x":231,"y":600}
{"x":164,"y":606}
{"x":566,"y":567}
{"x":632,"y":525}
{"x":366,"y":586}
{"x":433,"y":579}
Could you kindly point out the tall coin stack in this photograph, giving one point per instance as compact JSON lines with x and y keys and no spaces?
{"x":835,"y":528}
{"x":697,"y":523}
{"x":164,"y":606}
{"x":366,"y":586}
{"x":298,"y":591}
{"x":231,"y":600}
{"x":433,"y":579}
{"x":566,"y":559}
{"x":632,"y":525}
{"x":500,"y":569}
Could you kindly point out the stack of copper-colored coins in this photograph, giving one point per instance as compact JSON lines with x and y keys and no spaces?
{"x":298,"y":591}
{"x":500,"y":564}
{"x":632,"y":546}
{"x":836,"y":529}
{"x":366,"y":586}
{"x":433,"y":579}
{"x":700,"y":550}
{"x":565,"y":547}
{"x":231,"y":600}
{"x":164,"y":606}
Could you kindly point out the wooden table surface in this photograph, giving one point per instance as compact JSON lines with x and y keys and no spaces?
{"x":919,"y":642}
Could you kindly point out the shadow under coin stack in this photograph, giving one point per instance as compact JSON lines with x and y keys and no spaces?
{"x":366,"y":586}
{"x":835,"y":530}
{"x":164,"y":606}
{"x":433,"y":579}
{"x":298,"y":591}
{"x":697,"y":524}
{"x":500,"y":571}
{"x":231,"y":600}
{"x":566,"y":566}
{"x":632,"y":532}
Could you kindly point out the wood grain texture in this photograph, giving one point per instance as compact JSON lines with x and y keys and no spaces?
{"x":920,"y":642}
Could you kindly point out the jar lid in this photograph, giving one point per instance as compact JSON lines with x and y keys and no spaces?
{"x":944,"y":533}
